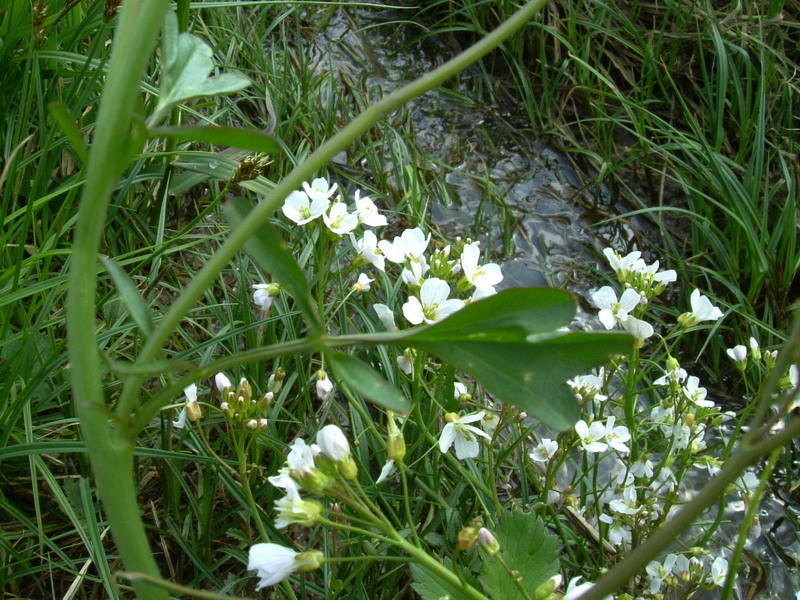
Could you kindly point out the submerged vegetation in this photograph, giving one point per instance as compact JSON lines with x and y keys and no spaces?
{"x":271,"y":277}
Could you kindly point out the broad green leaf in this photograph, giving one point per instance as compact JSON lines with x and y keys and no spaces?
{"x":69,"y":127}
{"x":510,"y":345}
{"x":511,"y":315}
{"x":234,"y":137}
{"x":133,"y":300}
{"x":186,"y":65}
{"x":431,"y":587}
{"x":528,"y":549}
{"x":367,"y":382}
{"x":267,"y":250}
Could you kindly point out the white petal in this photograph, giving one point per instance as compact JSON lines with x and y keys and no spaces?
{"x":447,"y":437}
{"x":434,"y":291}
{"x":604,"y":297}
{"x":412,"y":310}
{"x":466,"y":448}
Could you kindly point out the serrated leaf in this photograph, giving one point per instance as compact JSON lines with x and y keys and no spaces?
{"x":267,"y":250}
{"x":129,"y":293}
{"x":431,"y":587}
{"x":526,"y":548}
{"x":234,"y":137}
{"x":187,"y":62}
{"x":510,"y":345}
{"x":367,"y":382}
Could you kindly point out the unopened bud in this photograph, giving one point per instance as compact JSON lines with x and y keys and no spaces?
{"x":467,"y":537}
{"x":262,"y":424}
{"x":244,"y":390}
{"x":265,"y":401}
{"x":226,"y":409}
{"x":488,"y":542}
{"x":275,"y":381}
{"x":193,"y":411}
{"x":544,"y":591}
{"x":252,"y":424}
{"x":396,"y":447}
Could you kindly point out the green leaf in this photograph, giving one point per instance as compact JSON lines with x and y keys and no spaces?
{"x":267,"y":250}
{"x":69,"y":127}
{"x":186,"y":65}
{"x":526,"y":548}
{"x":367,"y":382}
{"x":431,"y":587}
{"x":510,"y":345}
{"x":246,"y":139}
{"x":133,"y":300}
{"x":511,"y":315}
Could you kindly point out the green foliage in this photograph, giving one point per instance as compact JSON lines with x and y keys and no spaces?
{"x":187,"y":63}
{"x":431,"y":587}
{"x":367,"y":382}
{"x":527,"y":549}
{"x":509,"y":344}
{"x":234,"y":137}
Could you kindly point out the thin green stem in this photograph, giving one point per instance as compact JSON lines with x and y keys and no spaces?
{"x":110,"y":454}
{"x":747,"y":521}
{"x":244,"y":477}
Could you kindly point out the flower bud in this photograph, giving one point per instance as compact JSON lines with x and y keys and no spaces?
{"x":324,"y":385}
{"x":755,"y":349}
{"x":193,"y":411}
{"x":333,"y":443}
{"x":252,"y":424}
{"x":488,"y":542}
{"x":348,"y":468}
{"x":265,"y":401}
{"x":396,"y":447}
{"x":275,"y":381}
{"x":308,"y":561}
{"x":222,"y":382}
{"x":547,"y":588}
{"x":244,"y":390}
{"x":226,"y":409}
{"x":467,"y":537}
{"x":262,"y":424}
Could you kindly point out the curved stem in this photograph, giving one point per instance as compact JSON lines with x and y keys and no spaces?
{"x":110,"y":453}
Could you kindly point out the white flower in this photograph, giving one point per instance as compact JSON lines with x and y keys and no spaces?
{"x":363,"y":283}
{"x":413,"y":274}
{"x":702,"y":310}
{"x":368,"y":251}
{"x":575,"y":589}
{"x":617,"y":436}
{"x":386,"y":316}
{"x":434,"y":306}
{"x":411,"y":244}
{"x":485,"y":276}
{"x":459,"y":389}
{"x":587,"y":387}
{"x":621,"y":264}
{"x":590,"y":436}
{"x":482,"y":292}
{"x":293,"y":509}
{"x":264,"y":294}
{"x":387,"y":471}
{"x":191,"y":398}
{"x":544,"y":451}
{"x":719,"y":571}
{"x":222,"y":382}
{"x":676,"y":375}
{"x":333,"y":443}
{"x":738,"y":354}
{"x":641,"y":330}
{"x":324,"y":385}
{"x":367,"y":212}
{"x":319,"y":189}
{"x":642,"y":468}
{"x":406,"y":361}
{"x":696,"y":394}
{"x":300,"y":209}
{"x":338,"y":220}
{"x":273,"y":562}
{"x":457,"y":431}
{"x":612,"y":311}
{"x":301,"y":457}
{"x":628,"y":504}
{"x":659,"y":572}
{"x":618,"y":532}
